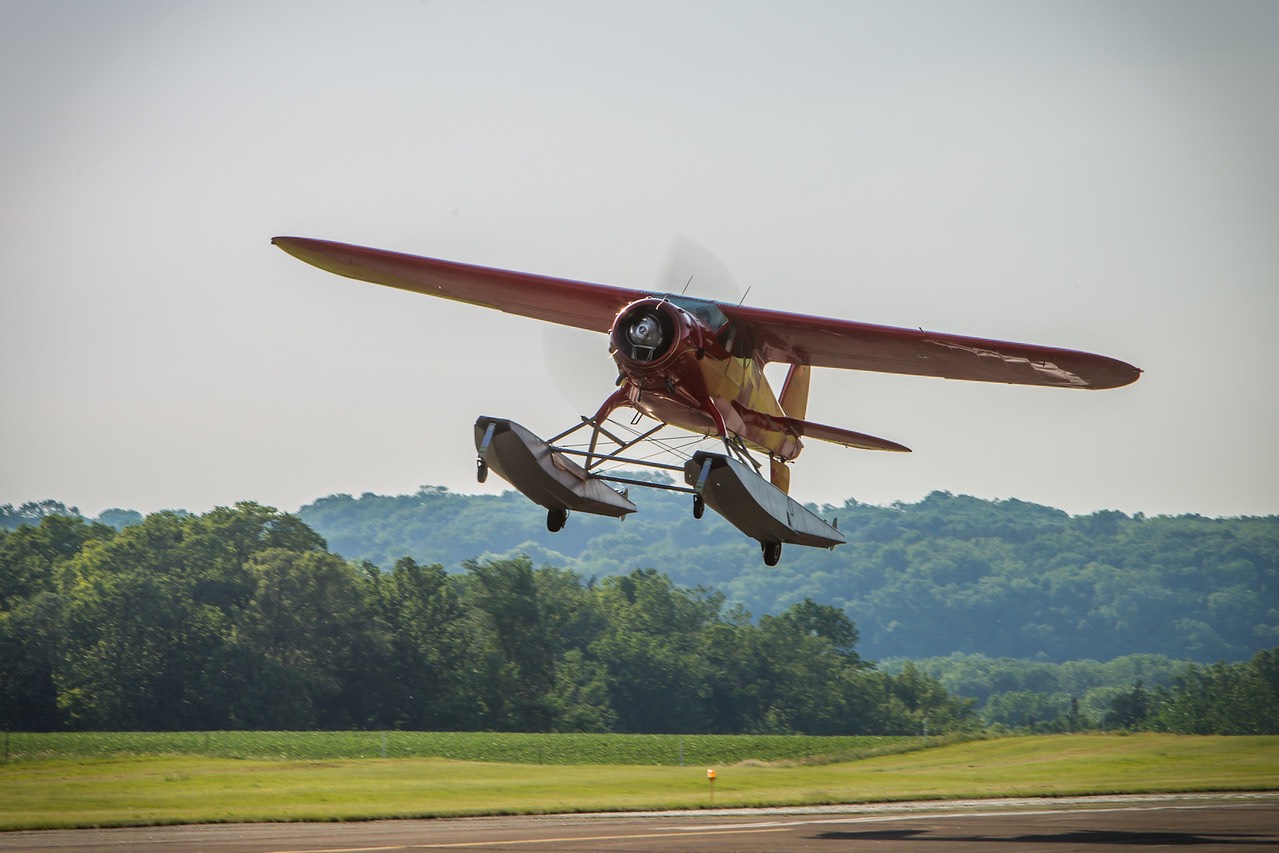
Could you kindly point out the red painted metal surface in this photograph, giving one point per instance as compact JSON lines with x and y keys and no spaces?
{"x":569,"y":303}
{"x":779,"y":336}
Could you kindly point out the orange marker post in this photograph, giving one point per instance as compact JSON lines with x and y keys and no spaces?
{"x":710,"y":776}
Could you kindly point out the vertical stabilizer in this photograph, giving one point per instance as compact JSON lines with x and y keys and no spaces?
{"x":794,"y":399}
{"x":794,"y":402}
{"x":779,"y":475}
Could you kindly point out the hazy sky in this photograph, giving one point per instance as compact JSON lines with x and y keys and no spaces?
{"x":1094,"y":175}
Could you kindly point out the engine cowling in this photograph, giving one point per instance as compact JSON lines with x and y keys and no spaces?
{"x":646,"y":334}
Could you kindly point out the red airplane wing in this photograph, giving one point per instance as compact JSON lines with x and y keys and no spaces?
{"x":557,"y":300}
{"x":778,"y":336}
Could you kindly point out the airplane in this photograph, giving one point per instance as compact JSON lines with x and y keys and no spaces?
{"x":697,"y":365}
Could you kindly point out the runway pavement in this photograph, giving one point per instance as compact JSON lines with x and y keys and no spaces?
{"x":1233,"y":822}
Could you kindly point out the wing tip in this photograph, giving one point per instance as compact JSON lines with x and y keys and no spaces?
{"x":292,"y":245}
{"x":1122,"y":374}
{"x":289,"y":244}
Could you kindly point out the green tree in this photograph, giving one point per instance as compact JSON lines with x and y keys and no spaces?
{"x":520,"y":667}
{"x":430,"y":643}
{"x":34,"y":512}
{"x":31,"y":554}
{"x":1129,"y":710}
{"x":802,"y":675}
{"x":30,"y":638}
{"x":155,"y":619}
{"x":824,"y":621}
{"x":120,"y":518}
{"x":306,"y":644}
{"x":930,"y":708}
{"x":137,"y":637}
{"x":1231,"y":699}
{"x":653,"y":653}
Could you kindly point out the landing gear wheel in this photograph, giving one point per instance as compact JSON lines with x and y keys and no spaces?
{"x":481,"y":470}
{"x":772,"y":552}
{"x":555,"y":520}
{"x":699,"y":506}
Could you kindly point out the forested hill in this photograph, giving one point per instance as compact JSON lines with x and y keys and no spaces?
{"x":948,"y":574}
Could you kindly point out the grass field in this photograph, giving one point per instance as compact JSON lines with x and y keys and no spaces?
{"x":462,"y":746}
{"x":65,"y":790}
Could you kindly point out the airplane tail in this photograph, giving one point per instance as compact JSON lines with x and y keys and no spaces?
{"x":794,"y":402}
{"x":794,"y":399}
{"x":779,"y":475}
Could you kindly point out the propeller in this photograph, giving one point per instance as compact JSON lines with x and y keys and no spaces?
{"x":579,"y":362}
{"x":694,"y":269}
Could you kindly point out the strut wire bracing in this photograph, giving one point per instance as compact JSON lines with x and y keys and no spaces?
{"x":677,"y":446}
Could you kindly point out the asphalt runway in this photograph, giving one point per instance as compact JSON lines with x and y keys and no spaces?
{"x":1203,"y":822}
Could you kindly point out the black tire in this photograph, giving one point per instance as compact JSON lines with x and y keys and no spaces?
{"x":699,"y":506}
{"x":556,"y":519}
{"x":481,"y":470}
{"x":772,"y":552}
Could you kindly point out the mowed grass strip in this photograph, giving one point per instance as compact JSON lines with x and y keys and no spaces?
{"x":463,"y":746}
{"x":63,"y":792}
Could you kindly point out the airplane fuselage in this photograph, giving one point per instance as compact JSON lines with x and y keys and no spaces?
{"x":679,"y":362}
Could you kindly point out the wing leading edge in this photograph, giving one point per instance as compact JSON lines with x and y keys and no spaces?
{"x":556,"y":300}
{"x":779,"y":336}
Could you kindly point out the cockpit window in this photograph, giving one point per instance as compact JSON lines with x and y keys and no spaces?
{"x":703,"y":309}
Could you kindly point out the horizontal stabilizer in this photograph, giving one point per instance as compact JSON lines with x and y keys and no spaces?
{"x":846,"y":437}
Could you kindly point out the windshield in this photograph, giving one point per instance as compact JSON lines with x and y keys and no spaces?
{"x":703,"y":309}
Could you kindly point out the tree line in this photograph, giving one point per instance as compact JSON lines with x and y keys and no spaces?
{"x":950,"y":573}
{"x":242,"y":618}
{"x":1223,"y":698}
{"x":1134,"y":692}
